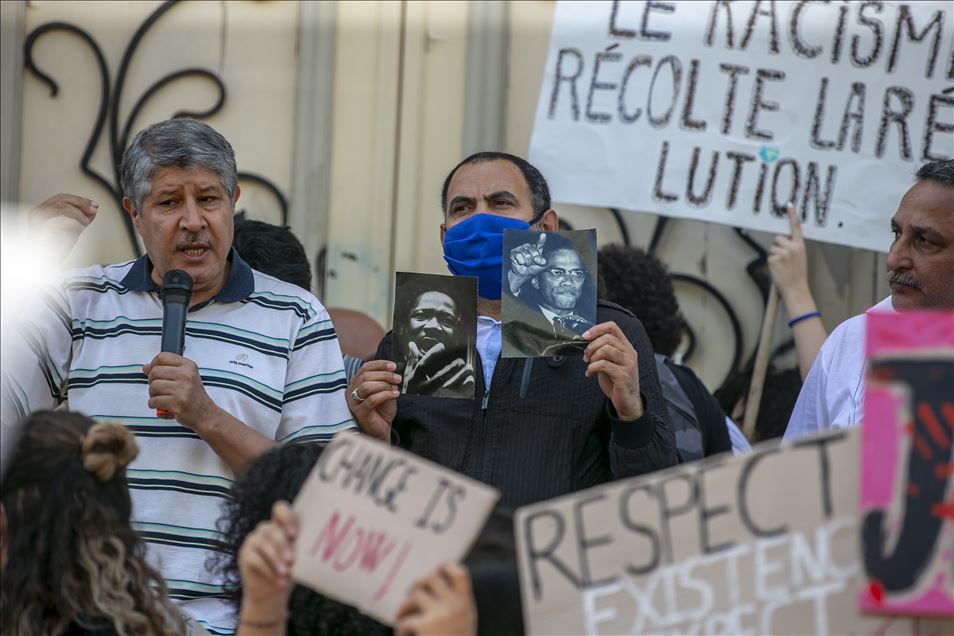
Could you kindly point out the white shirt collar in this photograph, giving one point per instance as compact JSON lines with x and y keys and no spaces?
{"x":885,"y":306}
{"x":549,"y":315}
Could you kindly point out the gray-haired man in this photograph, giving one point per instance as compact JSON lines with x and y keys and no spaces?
{"x":261,"y":362}
{"x":920,"y":273}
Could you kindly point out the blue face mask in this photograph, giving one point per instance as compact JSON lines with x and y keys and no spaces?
{"x":474,"y":247}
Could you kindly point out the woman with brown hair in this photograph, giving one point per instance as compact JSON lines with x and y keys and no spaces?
{"x":71,"y":562}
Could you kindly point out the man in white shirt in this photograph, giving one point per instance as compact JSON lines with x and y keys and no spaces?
{"x":921,"y":275}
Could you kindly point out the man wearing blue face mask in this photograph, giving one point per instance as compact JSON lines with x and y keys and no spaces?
{"x":583,"y":421}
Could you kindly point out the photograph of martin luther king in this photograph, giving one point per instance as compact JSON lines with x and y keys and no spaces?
{"x":435,"y":332}
{"x":549,"y":297}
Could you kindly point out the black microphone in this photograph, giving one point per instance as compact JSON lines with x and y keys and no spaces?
{"x":176,"y":294}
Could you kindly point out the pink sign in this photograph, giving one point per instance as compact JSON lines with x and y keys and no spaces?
{"x":907,"y":465}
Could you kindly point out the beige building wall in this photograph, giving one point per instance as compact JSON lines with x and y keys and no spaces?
{"x":398,"y":104}
{"x":356,"y":111}
{"x":250,"y":45}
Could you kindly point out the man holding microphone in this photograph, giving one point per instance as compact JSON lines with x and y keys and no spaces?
{"x":261,"y":363}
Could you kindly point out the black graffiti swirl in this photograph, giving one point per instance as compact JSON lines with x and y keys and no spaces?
{"x":55,"y":89}
{"x":109,"y":108}
{"x":756,"y":269}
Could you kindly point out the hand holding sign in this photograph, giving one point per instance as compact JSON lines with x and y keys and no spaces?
{"x":374,"y":519}
{"x":265,"y":562}
{"x":526,"y":261}
{"x":265,"y":557}
{"x":439,"y":604}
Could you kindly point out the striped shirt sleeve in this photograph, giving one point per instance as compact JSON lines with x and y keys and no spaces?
{"x":314,"y":406}
{"x":37,"y":346}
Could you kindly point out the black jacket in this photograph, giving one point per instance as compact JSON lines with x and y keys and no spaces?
{"x":562,"y":437}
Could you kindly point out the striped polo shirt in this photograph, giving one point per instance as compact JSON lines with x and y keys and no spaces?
{"x":267,"y":354}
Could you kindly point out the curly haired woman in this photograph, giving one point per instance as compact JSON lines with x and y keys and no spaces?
{"x":278,"y":475}
{"x":259,"y":524}
{"x":71,"y":562}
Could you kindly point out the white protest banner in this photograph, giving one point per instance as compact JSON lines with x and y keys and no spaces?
{"x":764,"y":543}
{"x":726,"y":111}
{"x":374,"y":519}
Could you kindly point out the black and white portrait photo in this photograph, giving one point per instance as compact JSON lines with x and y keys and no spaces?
{"x":549,"y":298}
{"x":435,"y":331}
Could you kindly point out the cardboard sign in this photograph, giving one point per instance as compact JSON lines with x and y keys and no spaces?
{"x":907,"y":466}
{"x":374,"y":519}
{"x":726,"y":111}
{"x":764,"y":543}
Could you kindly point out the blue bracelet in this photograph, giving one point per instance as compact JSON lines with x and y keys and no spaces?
{"x":797,"y":319}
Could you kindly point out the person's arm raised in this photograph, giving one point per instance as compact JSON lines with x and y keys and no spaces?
{"x":787,"y":264}
{"x":265,"y":562}
{"x":58,"y":222}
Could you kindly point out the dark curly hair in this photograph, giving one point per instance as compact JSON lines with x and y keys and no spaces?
{"x":73,"y":558}
{"x":278,"y":475}
{"x":641,"y":283}
{"x":273,"y":250}
{"x":779,"y":394}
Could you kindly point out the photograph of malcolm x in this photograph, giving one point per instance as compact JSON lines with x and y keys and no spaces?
{"x":549,"y":299}
{"x":435,"y":333}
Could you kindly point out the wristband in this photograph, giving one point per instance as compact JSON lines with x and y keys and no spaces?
{"x":797,"y":319}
